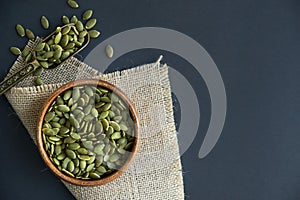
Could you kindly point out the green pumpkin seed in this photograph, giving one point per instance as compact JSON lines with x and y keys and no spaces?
{"x":82,"y":151}
{"x":66,"y":30}
{"x":98,"y":149}
{"x":38,"y":71}
{"x":116,"y":135}
{"x":57,"y":38}
{"x":73,"y":19}
{"x":74,"y":146}
{"x":79,"y":26}
{"x":44,"y":22}
{"x":87,"y":14}
{"x":44,"y":64}
{"x":101,"y":169}
{"x":90,"y":23}
{"x":61,"y":156}
{"x":15,"y":50}
{"x":65,"y":162}
{"x":20,"y":30}
{"x":115,"y":125}
{"x":49,"y":116}
{"x":94,"y":33}
{"x":90,"y":167}
{"x":114,"y":158}
{"x":82,"y":164}
{"x":72,"y":4}
{"x":63,"y":108}
{"x":29,"y":34}
{"x":71,"y":154}
{"x":64,"y":41}
{"x":65,"y":55}
{"x":71,"y":166}
{"x":84,"y":157}
{"x":25,"y":52}
{"x":67,"y":95}
{"x":109,"y":51}
{"x":105,"y":124}
{"x":103,"y":115}
{"x":65,"y":20}
{"x":57,"y":54}
{"x":94,"y":175}
{"x":123,"y":127}
{"x":75,"y":136}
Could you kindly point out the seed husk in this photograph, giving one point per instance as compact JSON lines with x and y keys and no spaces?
{"x":90,"y":23}
{"x":15,"y":50}
{"x":87,"y":14}
{"x":44,"y":22}
{"x":29,"y":34}
{"x":20,"y":30}
{"x":94,"y":33}
{"x":109,"y":51}
{"x":72,"y":4}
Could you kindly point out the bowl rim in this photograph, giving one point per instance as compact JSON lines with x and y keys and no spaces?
{"x":40,"y":142}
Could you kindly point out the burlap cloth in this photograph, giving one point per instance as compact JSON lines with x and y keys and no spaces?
{"x":156,"y":170}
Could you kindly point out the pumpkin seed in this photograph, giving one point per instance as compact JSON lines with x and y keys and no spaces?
{"x":90,"y":23}
{"x":73,"y":19}
{"x":20,"y":30}
{"x":87,"y":14}
{"x":38,"y":71}
{"x":44,"y":22}
{"x":15,"y":50}
{"x":65,"y":20}
{"x":94,"y":175}
{"x":109,"y":51}
{"x":63,"y":108}
{"x":79,"y":26}
{"x":72,"y":4}
{"x":94,"y":33}
{"x":29,"y":34}
{"x":71,"y":154}
{"x":57,"y":38}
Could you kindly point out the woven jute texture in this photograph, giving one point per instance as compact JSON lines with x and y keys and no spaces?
{"x":156,"y":170}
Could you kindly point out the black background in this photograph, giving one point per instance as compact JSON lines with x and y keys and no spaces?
{"x":256,"y":46}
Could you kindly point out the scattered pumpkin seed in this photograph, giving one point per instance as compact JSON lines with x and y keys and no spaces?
{"x":109,"y":51}
{"x":15,"y":50}
{"x":72,"y":4}
{"x":29,"y":34}
{"x":44,"y":22}
{"x":20,"y":30}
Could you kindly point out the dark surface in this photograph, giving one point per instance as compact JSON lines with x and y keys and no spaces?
{"x":256,"y":46}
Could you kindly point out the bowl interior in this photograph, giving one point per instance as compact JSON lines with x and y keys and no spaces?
{"x":93,"y":135}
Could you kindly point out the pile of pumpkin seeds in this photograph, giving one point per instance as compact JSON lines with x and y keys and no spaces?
{"x":88,"y":132}
{"x":62,"y":45}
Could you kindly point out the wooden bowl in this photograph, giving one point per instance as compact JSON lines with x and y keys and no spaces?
{"x":40,"y":142}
